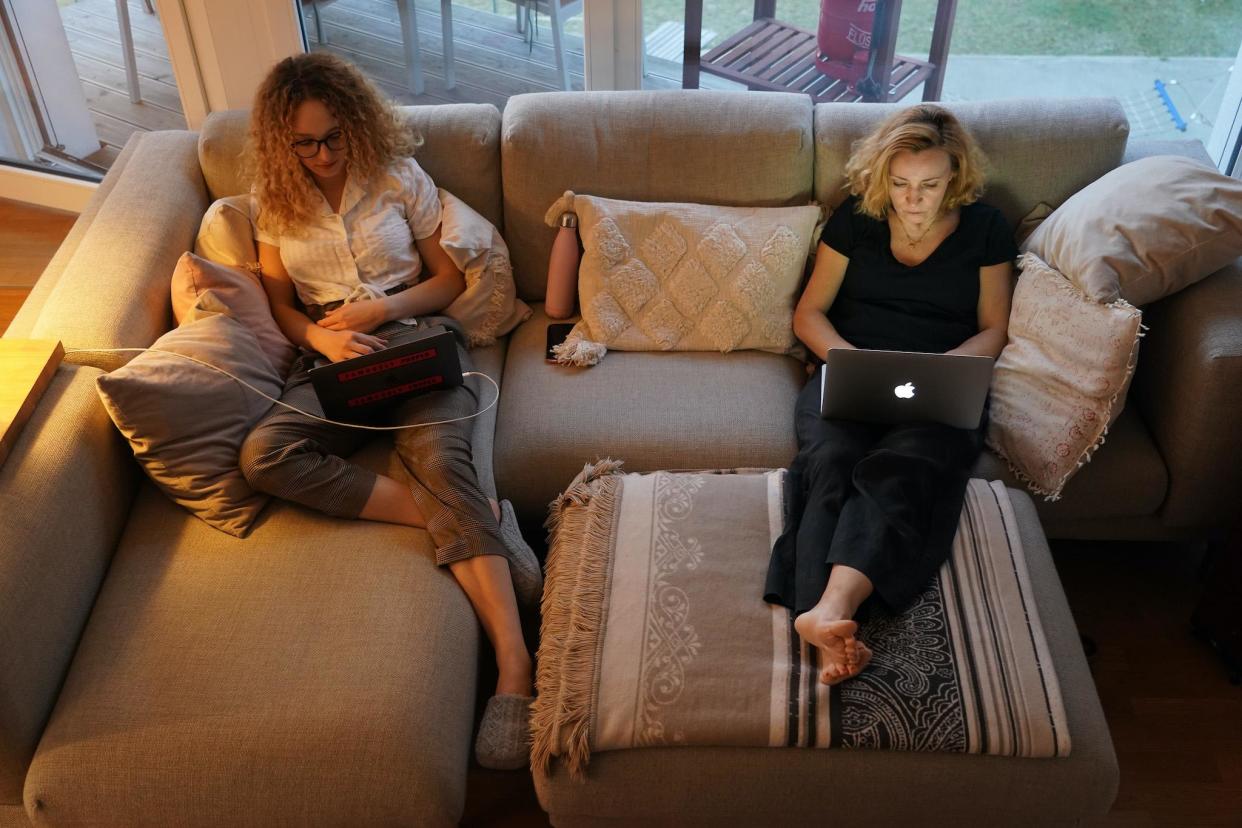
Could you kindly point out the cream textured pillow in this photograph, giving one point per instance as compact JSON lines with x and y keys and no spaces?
{"x":238,"y":294}
{"x":489,"y":306}
{"x":1144,"y":230}
{"x":186,"y":423}
{"x":685,"y":277}
{"x":1058,"y":381}
{"x":226,"y":233}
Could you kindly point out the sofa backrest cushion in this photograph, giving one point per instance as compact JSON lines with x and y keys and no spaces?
{"x":460,"y":151}
{"x":65,"y":493}
{"x":113,"y":293}
{"x":1041,"y":150}
{"x":676,"y":146}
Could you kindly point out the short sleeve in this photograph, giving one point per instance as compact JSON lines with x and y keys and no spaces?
{"x":422,"y":202}
{"x":998,"y":244}
{"x":839,"y":229}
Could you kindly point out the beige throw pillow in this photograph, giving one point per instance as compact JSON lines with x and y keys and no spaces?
{"x":186,"y":423}
{"x":488,"y":307}
{"x":1144,"y":230}
{"x":226,"y":233}
{"x":1061,"y":379}
{"x":239,"y":294}
{"x":685,"y":277}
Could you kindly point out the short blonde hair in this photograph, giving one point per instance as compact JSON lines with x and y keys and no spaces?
{"x":918,"y":128}
{"x":375,"y":134}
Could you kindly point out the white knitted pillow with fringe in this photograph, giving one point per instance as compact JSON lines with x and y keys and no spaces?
{"x":685,"y":277}
{"x":1061,"y":380}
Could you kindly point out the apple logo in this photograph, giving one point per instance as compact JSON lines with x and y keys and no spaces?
{"x":905,"y":392}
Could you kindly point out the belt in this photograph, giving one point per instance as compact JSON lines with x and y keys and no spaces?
{"x":317,"y":312}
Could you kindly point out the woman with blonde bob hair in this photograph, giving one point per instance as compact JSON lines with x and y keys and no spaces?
{"x":910,"y":261}
{"x":349,"y":247}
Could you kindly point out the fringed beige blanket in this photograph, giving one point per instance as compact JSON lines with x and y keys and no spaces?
{"x":655,"y":633}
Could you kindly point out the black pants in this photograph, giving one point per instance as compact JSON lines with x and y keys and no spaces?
{"x":882,"y":499}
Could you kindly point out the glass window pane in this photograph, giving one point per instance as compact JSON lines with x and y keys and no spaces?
{"x":85,"y":75}
{"x":1167,"y":63}
{"x":488,"y":51}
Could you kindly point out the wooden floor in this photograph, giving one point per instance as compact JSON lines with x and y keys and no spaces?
{"x":1176,"y":722}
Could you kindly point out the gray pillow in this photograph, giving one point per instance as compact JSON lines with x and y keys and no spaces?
{"x":186,"y":423}
{"x":1144,"y":230}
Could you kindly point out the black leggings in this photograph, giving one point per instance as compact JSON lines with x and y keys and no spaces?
{"x":883,"y":499}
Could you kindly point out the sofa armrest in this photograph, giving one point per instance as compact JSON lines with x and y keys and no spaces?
{"x":28,"y":313}
{"x":114,"y":291}
{"x":65,"y":494}
{"x":1189,"y":388}
{"x":1186,"y":147}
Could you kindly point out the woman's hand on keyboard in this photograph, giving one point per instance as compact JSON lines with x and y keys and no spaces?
{"x":342,"y":345}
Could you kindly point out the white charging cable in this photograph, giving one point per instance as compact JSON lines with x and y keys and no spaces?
{"x":267,"y":396}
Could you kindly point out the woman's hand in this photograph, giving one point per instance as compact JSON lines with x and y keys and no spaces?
{"x":363,"y":316}
{"x":342,"y":345}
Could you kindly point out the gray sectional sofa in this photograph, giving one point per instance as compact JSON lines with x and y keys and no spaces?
{"x":155,"y":671}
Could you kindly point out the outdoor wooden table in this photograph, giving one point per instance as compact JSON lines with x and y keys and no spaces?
{"x":775,"y":56}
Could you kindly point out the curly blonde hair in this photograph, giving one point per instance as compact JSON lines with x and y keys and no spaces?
{"x":375,"y":134}
{"x":921,"y":127}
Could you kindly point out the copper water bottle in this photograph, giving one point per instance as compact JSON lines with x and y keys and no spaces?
{"x":563,"y":269}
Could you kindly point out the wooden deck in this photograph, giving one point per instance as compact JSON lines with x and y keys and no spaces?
{"x":493,"y":60}
{"x":95,"y":42}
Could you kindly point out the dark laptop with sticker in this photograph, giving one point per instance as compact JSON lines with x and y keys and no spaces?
{"x":360,"y":389}
{"x":905,"y":387}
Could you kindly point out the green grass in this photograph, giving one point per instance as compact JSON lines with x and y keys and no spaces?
{"x":1152,"y":28}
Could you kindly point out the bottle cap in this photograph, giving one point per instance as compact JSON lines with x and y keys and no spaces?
{"x":569,"y":219}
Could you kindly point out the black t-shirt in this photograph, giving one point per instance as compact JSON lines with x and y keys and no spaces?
{"x":930,"y":307}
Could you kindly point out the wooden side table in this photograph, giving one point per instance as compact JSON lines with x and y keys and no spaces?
{"x":26,"y":370}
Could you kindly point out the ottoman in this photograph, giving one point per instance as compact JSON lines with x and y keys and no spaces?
{"x":612,"y":749}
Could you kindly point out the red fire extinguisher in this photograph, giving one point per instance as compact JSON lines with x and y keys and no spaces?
{"x":844,"y":38}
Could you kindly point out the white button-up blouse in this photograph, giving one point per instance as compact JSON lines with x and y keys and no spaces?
{"x":369,"y":242}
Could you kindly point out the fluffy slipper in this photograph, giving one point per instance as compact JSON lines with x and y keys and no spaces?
{"x":523,"y":565}
{"x":504,"y":734}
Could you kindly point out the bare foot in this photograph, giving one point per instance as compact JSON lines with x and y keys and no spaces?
{"x":841,"y":655}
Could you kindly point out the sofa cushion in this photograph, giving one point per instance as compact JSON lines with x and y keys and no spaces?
{"x":460,"y":151}
{"x":226,"y":233}
{"x":1038,"y":150}
{"x":488,"y":308}
{"x":1144,"y":230}
{"x":320,"y":671}
{"x":691,"y":146}
{"x":241,"y":293}
{"x":688,"y":277}
{"x":114,"y":292}
{"x":653,"y":410}
{"x":186,"y":423}
{"x":65,"y":490}
{"x":1061,"y":380}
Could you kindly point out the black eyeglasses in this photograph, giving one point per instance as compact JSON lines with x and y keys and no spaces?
{"x":309,"y":147}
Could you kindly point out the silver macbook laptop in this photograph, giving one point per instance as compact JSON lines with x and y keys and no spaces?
{"x":904,"y":387}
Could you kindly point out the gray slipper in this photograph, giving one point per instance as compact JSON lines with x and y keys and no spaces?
{"x":523,"y":565}
{"x":503,"y":742}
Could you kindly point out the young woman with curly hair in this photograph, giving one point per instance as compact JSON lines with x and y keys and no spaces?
{"x":348,"y":232}
{"x":911,"y":261}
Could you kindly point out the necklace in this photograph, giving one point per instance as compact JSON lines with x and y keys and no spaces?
{"x":911,"y":241}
